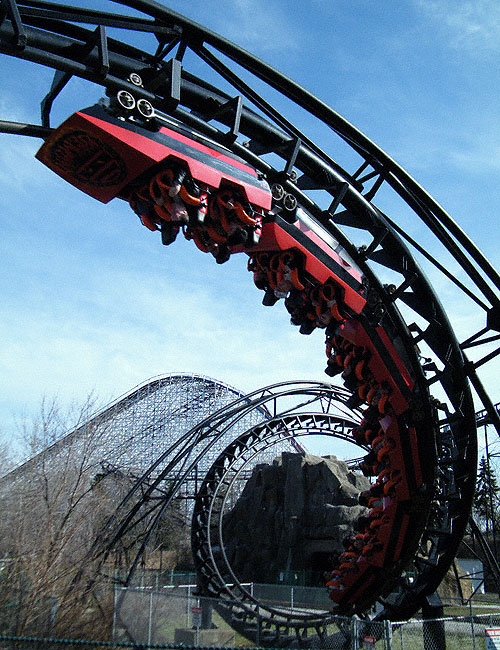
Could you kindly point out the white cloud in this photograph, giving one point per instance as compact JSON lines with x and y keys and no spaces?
{"x":266,"y":24}
{"x":109,"y":328}
{"x":447,"y":146}
{"x":471,"y":25}
{"x":258,"y":25}
{"x":17,"y":165}
{"x":482,"y":154}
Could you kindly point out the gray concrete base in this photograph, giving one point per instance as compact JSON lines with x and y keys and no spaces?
{"x":215,"y":637}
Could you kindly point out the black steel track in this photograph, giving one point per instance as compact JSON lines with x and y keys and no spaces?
{"x":343,"y":203}
{"x":290,"y":410}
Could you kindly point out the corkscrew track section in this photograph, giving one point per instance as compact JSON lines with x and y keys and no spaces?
{"x":234,"y":175}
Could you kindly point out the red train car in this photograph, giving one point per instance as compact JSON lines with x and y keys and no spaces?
{"x":176,"y":179}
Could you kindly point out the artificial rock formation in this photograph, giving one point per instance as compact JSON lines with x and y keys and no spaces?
{"x":292,"y":516}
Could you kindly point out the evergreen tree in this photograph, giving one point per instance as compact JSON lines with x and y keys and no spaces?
{"x":486,"y":500}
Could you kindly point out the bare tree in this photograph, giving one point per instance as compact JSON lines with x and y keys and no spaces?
{"x":7,"y":458}
{"x":57,"y":507}
{"x":50,"y":512}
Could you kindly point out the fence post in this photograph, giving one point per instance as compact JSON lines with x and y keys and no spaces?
{"x":387,"y":635}
{"x":433,"y":627}
{"x":259,"y":623}
{"x":113,"y":630}
{"x":150,"y":618}
{"x":472,"y":625}
{"x":355,"y":633}
{"x":198,"y":626}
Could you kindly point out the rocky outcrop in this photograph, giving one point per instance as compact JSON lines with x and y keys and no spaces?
{"x":292,"y":515}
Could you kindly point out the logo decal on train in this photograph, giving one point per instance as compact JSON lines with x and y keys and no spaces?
{"x":88,"y":159}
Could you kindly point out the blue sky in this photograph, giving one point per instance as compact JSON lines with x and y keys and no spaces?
{"x":91,"y":301}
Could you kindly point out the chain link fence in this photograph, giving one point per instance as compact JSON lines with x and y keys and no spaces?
{"x":451,"y":633}
{"x":460,"y":633}
{"x":479,"y":632}
{"x":176,"y":616}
